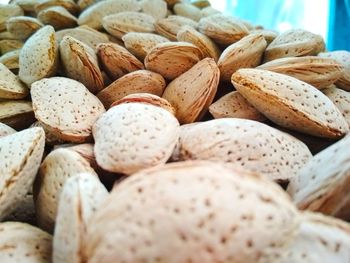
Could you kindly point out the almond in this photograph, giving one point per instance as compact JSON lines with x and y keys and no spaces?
{"x":201,"y":3}
{"x":11,"y":60}
{"x":170,"y":26}
{"x":58,"y":17}
{"x":8,"y":11}
{"x":187,"y":10}
{"x":208,"y":11}
{"x":26,"y":5}
{"x":50,"y":137}
{"x":6,"y":130}
{"x":17,"y":114}
{"x":156,"y":8}
{"x":10,"y":85}
{"x":23,"y":27}
{"x":290,"y":102}
{"x":172,"y":59}
{"x":135,"y":82}
{"x":269,"y":35}
{"x":69,"y":5}
{"x":8,"y":45}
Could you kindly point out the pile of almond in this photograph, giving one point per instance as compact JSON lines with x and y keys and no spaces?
{"x":163,"y":131}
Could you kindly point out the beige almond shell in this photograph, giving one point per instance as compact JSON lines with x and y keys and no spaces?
{"x":10,"y":85}
{"x":11,"y":60}
{"x":245,"y":53}
{"x":140,"y":44}
{"x":39,"y":56}
{"x":24,"y":243}
{"x":17,"y":114}
{"x":122,"y":23}
{"x":80,"y":63}
{"x":290,"y":102}
{"x":192,"y":92}
{"x":343,"y":58}
{"x":253,"y":145}
{"x":294,"y":43}
{"x":20,"y":157}
{"x":171,"y":59}
{"x":156,"y":8}
{"x":117,"y":61}
{"x":170,"y":26}
{"x":58,"y":17}
{"x":8,"y":45}
{"x":54,"y":171}
{"x":204,"y":43}
{"x":318,"y":72}
{"x":133,"y":136}
{"x":320,"y":239}
{"x":234,"y":105}
{"x":341,"y":100}
{"x":209,"y":212}
{"x":187,"y":10}
{"x":81,"y":196}
{"x":208,"y":11}
{"x":269,"y":35}
{"x":65,"y":108}
{"x":6,"y":130}
{"x":70,"y":5}
{"x":23,"y":27}
{"x":93,"y":15}
{"x":322,"y":184}
{"x":8,"y":11}
{"x":223,"y":29}
{"x":26,"y":5}
{"x":141,"y":81}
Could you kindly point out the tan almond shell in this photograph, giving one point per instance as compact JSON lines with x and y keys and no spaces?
{"x":171,"y":59}
{"x":170,"y":26}
{"x":81,"y":196}
{"x":23,"y":27}
{"x":141,"y":81}
{"x":116,"y":60}
{"x":24,"y":243}
{"x":10,"y":85}
{"x":56,"y":168}
{"x":39,"y":56}
{"x":58,"y":17}
{"x":133,"y":136}
{"x":80,"y":63}
{"x":209,"y":212}
{"x":93,"y":15}
{"x":65,"y":108}
{"x":208,"y":11}
{"x":204,"y":43}
{"x":17,"y":114}
{"x":322,"y":184}
{"x":70,"y":5}
{"x":26,"y":5}
{"x":294,"y":43}
{"x":201,"y":3}
{"x":121,"y":23}
{"x":8,"y":45}
{"x":6,"y":130}
{"x":140,"y":44}
{"x":269,"y":35}
{"x":343,"y":58}
{"x":8,"y":11}
{"x":11,"y":60}
{"x":245,"y":53}
{"x":250,"y":144}
{"x":234,"y":105}
{"x":318,"y":72}
{"x":187,"y":10}
{"x":290,"y":102}
{"x":156,"y":8}
{"x":20,"y":157}
{"x":192,"y":92}
{"x":341,"y":99}
{"x":223,"y":29}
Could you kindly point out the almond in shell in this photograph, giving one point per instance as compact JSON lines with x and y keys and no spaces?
{"x":170,"y":26}
{"x":7,"y":45}
{"x":269,"y":35}
{"x":156,"y":8}
{"x":23,"y":27}
{"x":17,"y":114}
{"x":70,"y":5}
{"x":10,"y":85}
{"x":187,"y":10}
{"x":11,"y":60}
{"x":58,"y":17}
{"x":8,"y":11}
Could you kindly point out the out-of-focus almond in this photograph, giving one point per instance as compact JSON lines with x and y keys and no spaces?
{"x":8,"y":11}
{"x":156,"y":8}
{"x":201,"y":3}
{"x":170,"y":26}
{"x":8,"y":45}
{"x":208,"y":11}
{"x":69,"y":5}
{"x":11,"y":60}
{"x":17,"y":114}
{"x":23,"y":27}
{"x":10,"y":85}
{"x":269,"y":35}
{"x":341,"y":99}
{"x":58,"y":17}
{"x":187,"y":10}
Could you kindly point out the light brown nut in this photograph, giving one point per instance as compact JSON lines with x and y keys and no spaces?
{"x":133,"y":136}
{"x":156,"y":8}
{"x":6,"y":130}
{"x":24,"y":211}
{"x":8,"y":11}
{"x":7,"y":35}
{"x":116,"y":60}
{"x":204,"y":43}
{"x":322,"y":184}
{"x":56,"y":168}
{"x":20,"y":157}
{"x":135,"y":82}
{"x":7,"y":45}
{"x":234,"y":105}
{"x":65,"y":108}
{"x":294,"y":43}
{"x":81,"y":196}
{"x":250,"y":144}
{"x":341,"y":99}
{"x":269,"y":35}
{"x":320,"y":239}
{"x":343,"y":58}
{"x":24,"y":243}
{"x":290,"y":102}
{"x":209,"y":212}
{"x":192,"y":92}
{"x":23,"y":27}
{"x":80,"y":63}
{"x":187,"y":10}
{"x":58,"y":17}
{"x":201,"y":3}
{"x":11,"y":60}
{"x":245,"y":53}
{"x":17,"y":114}
{"x":26,"y":5}
{"x":10,"y":85}
{"x":170,"y":26}
{"x":171,"y":59}
{"x":69,"y":5}
{"x":223,"y":29}
{"x":318,"y":72}
{"x":208,"y":11}
{"x":93,"y":15}
{"x":139,"y":44}
{"x":120,"y":24}
{"x":39,"y":56}
{"x":50,"y":138}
